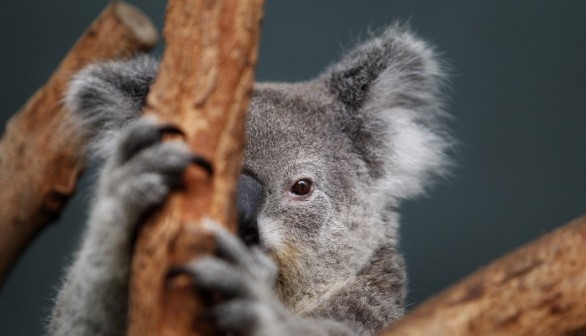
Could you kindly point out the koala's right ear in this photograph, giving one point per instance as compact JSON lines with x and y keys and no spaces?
{"x":104,"y":97}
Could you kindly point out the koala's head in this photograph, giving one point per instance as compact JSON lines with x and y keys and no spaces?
{"x":328,"y":160}
{"x":334,"y":157}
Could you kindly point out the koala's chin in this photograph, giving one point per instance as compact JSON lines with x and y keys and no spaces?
{"x":327,"y":163}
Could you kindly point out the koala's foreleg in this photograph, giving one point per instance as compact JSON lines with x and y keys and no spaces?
{"x":93,"y":299}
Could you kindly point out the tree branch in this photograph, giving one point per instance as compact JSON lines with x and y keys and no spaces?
{"x":204,"y":85}
{"x":40,"y":153}
{"x":539,"y":289}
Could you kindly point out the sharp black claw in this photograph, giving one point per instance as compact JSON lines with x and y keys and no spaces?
{"x":203,"y":163}
{"x":170,"y":129}
{"x":177,"y":271}
{"x":196,"y":159}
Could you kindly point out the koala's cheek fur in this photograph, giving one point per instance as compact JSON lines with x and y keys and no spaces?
{"x":286,"y":218}
{"x":290,"y":274}
{"x":294,"y":250}
{"x":271,"y":234}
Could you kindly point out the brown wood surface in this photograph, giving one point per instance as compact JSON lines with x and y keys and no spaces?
{"x":538,"y":289}
{"x":40,"y":153}
{"x":204,"y":86}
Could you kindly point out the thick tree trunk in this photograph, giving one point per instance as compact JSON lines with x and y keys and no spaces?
{"x":204,"y":85}
{"x":40,"y":153}
{"x":539,"y":289}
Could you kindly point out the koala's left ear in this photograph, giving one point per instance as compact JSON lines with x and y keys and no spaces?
{"x":390,"y":89}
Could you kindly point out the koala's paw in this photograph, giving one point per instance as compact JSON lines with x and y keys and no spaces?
{"x":143,"y":169}
{"x":244,"y":277}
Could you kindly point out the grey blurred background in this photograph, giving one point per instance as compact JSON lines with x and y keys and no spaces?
{"x":518,"y":97}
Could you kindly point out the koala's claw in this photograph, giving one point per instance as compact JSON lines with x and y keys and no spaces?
{"x":144,"y":133}
{"x":203,"y":163}
{"x":170,"y":129}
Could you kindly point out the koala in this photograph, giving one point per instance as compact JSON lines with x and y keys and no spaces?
{"x":327,"y":164}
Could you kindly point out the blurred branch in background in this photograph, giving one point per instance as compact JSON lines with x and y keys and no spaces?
{"x":537,"y":290}
{"x":41,"y":154}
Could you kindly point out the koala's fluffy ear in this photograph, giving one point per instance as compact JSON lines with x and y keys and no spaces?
{"x":390,"y":89}
{"x":104,"y":97}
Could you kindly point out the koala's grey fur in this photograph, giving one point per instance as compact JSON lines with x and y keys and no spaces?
{"x":367,"y":132}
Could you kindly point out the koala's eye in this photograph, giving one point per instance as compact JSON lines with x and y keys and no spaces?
{"x":301,"y":187}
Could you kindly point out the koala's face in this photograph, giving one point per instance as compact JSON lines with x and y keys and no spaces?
{"x":312,"y":181}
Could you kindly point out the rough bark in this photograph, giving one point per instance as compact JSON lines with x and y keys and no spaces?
{"x":40,"y":153}
{"x":539,"y":289}
{"x":204,"y":85}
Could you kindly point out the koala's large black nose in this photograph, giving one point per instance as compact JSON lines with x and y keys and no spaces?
{"x":250,"y":192}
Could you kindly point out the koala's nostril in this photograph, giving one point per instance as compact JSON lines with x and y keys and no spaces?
{"x":250,"y":193}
